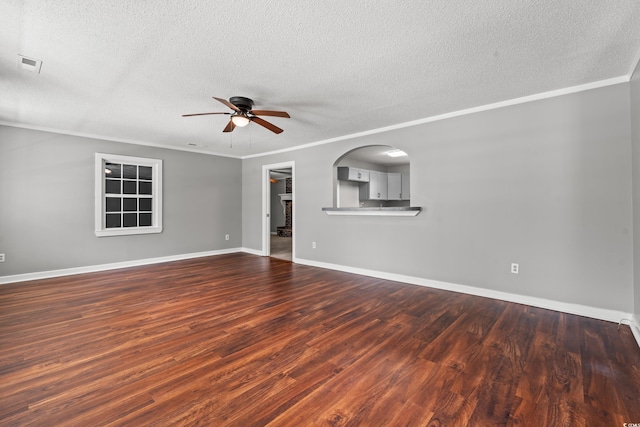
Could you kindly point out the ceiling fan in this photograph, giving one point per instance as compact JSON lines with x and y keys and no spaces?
{"x":243,"y":114}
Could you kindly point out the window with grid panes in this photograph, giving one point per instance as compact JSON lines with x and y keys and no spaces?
{"x":128,"y":195}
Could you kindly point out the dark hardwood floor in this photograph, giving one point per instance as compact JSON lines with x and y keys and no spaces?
{"x":281,"y":247}
{"x":241,"y":340}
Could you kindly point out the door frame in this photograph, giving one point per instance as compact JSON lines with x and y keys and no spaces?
{"x":266,"y":206}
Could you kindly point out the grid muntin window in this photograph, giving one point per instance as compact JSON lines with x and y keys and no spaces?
{"x":128,"y":195}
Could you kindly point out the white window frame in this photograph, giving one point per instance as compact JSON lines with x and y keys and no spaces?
{"x":100,"y":215}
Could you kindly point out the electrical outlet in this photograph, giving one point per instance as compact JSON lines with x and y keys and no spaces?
{"x":515,"y":268}
{"x":1,"y":257}
{"x":313,"y":245}
{"x":226,"y":237}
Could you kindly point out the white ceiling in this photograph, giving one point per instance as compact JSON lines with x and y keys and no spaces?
{"x":377,"y":154}
{"x":128,"y":70}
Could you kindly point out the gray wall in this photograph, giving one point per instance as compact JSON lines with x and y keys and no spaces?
{"x":635,"y":134}
{"x":545,"y":184}
{"x":47,"y":203}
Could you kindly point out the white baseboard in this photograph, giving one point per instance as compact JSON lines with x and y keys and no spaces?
{"x":112,"y":266}
{"x":252,"y":251}
{"x":581,"y":310}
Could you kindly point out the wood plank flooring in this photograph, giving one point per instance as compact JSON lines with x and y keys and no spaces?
{"x":281,"y":247}
{"x":241,"y":340}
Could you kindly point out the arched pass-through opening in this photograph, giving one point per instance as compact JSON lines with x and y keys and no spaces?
{"x":372,"y":180}
{"x":372,"y":176}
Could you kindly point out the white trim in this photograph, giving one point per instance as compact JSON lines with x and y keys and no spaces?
{"x":108,"y":138}
{"x":112,"y":266}
{"x":251,"y":251}
{"x":156,"y":165}
{"x":128,"y":231}
{"x":581,"y":310}
{"x":565,"y":307}
{"x":487,"y":107}
{"x":634,"y":64}
{"x":635,"y":327}
{"x":266,"y":205}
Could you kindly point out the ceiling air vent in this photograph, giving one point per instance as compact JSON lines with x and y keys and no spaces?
{"x":29,"y":64}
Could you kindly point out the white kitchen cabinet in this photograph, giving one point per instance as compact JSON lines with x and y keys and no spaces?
{"x":398,"y":187}
{"x":406,"y":195}
{"x":353,"y":174}
{"x":376,"y":188}
{"x":394,"y":186}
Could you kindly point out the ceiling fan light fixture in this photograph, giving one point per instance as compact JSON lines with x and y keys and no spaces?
{"x":240,"y":120}
{"x":243,"y":114}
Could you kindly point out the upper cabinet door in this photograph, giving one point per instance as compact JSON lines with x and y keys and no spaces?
{"x":382,"y":185}
{"x":406,"y":194}
{"x":353,"y":174}
{"x":394,"y":190}
{"x":376,"y":188}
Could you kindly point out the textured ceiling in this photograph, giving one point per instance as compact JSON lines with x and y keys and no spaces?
{"x":128,"y":70}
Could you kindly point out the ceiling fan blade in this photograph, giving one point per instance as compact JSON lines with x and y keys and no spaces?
{"x":201,"y":114}
{"x":270,"y":113}
{"x":266,"y":124}
{"x":227,"y":103}
{"x":230,"y":127}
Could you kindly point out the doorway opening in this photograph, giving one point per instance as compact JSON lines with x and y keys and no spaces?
{"x":278,"y":211}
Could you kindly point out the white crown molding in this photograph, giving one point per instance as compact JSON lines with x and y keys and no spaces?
{"x":570,"y":308}
{"x":487,"y":107}
{"x":112,"y":266}
{"x":634,"y":64}
{"x":108,"y":138}
{"x":635,"y":327}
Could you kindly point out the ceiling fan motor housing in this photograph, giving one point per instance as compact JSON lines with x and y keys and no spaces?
{"x":244,"y":104}
{"x":243,"y":114}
